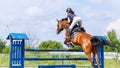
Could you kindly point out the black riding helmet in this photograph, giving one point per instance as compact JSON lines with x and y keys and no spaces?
{"x":69,"y":10}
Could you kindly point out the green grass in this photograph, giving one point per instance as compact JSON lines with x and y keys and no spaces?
{"x":4,"y":62}
{"x":111,"y":63}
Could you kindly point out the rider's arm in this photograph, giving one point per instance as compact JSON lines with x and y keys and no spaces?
{"x":69,"y":20}
{"x":69,"y":17}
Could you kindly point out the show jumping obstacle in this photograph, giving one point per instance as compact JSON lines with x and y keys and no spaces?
{"x":17,"y":52}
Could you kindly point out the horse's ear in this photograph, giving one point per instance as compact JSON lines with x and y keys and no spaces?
{"x":57,"y":20}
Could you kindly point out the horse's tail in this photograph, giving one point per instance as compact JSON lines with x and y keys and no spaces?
{"x":95,"y":40}
{"x":106,"y":42}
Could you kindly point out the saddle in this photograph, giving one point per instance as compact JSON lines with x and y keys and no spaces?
{"x":76,"y":29}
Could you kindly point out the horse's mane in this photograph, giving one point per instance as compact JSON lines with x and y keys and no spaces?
{"x":64,"y":19}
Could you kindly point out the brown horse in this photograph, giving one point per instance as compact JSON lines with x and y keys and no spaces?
{"x":82,"y":38}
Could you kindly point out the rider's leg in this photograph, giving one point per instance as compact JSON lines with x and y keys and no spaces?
{"x":79,"y":21}
{"x":74,"y":22}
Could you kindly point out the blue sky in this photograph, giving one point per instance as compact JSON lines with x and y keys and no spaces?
{"x":38,"y":17}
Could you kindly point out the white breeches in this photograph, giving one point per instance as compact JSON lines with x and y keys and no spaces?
{"x":76,"y":20}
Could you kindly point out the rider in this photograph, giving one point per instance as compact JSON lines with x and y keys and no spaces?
{"x":73,"y":19}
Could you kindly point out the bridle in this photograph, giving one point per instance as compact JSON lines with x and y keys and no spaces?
{"x":64,"y":26}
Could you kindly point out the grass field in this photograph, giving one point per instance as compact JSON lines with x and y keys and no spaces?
{"x":109,"y":63}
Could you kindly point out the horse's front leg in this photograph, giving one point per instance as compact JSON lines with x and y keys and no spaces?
{"x":68,"y":43}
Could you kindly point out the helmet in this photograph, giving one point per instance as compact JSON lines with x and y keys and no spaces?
{"x":69,"y":10}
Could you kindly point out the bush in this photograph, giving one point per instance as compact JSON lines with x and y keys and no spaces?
{"x":2,"y":45}
{"x":50,"y":45}
{"x":6,"y":50}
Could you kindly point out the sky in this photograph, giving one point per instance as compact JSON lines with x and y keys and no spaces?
{"x":37,"y":18}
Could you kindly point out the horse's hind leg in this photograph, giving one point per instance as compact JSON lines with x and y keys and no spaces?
{"x":90,"y":59}
{"x":95,"y":53}
{"x":88,"y":50}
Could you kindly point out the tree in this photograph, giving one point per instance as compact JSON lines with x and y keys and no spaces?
{"x":2,"y":45}
{"x":112,"y":37}
{"x":50,"y":45}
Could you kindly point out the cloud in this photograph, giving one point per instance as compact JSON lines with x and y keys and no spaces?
{"x":34,"y":11}
{"x":6,"y":18}
{"x":95,"y":1}
{"x":113,"y":3}
{"x":114,"y":25}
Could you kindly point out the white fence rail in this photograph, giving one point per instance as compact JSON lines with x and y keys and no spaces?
{"x":107,"y":55}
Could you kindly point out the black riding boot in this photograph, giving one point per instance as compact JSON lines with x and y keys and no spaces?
{"x":70,"y":33}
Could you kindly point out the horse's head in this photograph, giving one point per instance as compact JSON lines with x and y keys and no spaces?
{"x":62,"y":24}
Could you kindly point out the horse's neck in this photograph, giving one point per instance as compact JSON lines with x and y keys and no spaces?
{"x":67,"y":31}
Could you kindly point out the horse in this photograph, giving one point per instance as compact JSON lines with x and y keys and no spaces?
{"x":85,"y":40}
